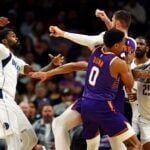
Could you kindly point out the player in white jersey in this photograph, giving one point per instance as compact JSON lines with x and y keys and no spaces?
{"x":140,"y":58}
{"x":141,"y":109}
{"x":64,"y":123}
{"x":14,"y":126}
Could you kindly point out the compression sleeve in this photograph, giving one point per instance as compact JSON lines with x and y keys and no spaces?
{"x":85,"y":40}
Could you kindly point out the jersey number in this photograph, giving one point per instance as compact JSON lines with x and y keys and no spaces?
{"x":93,"y":75}
{"x":146,"y":90}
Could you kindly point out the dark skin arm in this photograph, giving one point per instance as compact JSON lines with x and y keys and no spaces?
{"x":142,"y":74}
{"x":56,"y":61}
{"x":64,"y":69}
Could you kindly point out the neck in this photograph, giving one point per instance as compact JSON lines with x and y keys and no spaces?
{"x":9,"y":48}
{"x":125,"y":31}
{"x":141,"y":60}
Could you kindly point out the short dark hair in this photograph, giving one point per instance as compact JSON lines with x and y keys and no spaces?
{"x":112,"y":37}
{"x":124,"y":16}
{"x":143,"y":38}
{"x":4,"y":32}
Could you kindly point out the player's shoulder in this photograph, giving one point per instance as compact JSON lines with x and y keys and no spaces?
{"x":2,"y":46}
{"x":118,"y":62}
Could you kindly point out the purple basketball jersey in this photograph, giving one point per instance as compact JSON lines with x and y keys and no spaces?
{"x":99,"y":84}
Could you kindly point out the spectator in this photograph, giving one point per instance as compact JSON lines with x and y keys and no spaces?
{"x":43,"y":127}
{"x":66,"y":97}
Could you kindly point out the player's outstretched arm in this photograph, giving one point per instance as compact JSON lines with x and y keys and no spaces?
{"x":55,"y":62}
{"x":102,"y":15}
{"x":66,"y":68}
{"x":85,"y":40}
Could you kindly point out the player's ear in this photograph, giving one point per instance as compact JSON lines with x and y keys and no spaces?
{"x":147,"y":48}
{"x":4,"y":41}
{"x":118,"y":24}
{"x":115,"y":45}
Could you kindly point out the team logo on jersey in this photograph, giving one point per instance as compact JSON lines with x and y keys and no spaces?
{"x":15,"y":64}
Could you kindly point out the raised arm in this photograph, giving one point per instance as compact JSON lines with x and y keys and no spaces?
{"x":66,"y":68}
{"x":102,"y":15}
{"x":85,"y":40}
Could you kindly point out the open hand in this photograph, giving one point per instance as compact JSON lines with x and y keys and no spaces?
{"x":57,"y":60}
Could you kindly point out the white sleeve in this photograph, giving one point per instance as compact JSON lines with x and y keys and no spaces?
{"x":21,"y":64}
{"x":86,"y":40}
{"x":4,"y":52}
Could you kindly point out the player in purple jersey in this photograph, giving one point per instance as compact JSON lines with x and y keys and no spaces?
{"x":97,"y":109}
{"x":121,"y":20}
{"x":63,"y":69}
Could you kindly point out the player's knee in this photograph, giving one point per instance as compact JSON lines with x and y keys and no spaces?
{"x":29,"y":139}
{"x":57,"y":124}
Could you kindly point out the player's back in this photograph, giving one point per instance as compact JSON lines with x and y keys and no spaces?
{"x":99,"y":84}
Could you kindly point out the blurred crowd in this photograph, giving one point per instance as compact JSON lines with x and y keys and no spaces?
{"x":31,"y":20}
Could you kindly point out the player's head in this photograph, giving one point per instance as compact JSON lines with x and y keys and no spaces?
{"x":142,"y":47}
{"x":121,"y":19}
{"x":129,"y":49}
{"x":9,"y":39}
{"x":114,"y":40}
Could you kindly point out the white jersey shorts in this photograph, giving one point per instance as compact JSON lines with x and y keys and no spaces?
{"x":144,"y":125}
{"x":12,"y":118}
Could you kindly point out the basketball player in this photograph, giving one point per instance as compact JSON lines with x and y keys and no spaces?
{"x":121,"y":20}
{"x":14,"y":126}
{"x":140,"y":108}
{"x":75,"y":119}
{"x":101,"y":84}
{"x":93,"y":82}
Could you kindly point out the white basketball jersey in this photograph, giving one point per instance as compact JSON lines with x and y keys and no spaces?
{"x":10,"y":67}
{"x":134,"y":105}
{"x":143,"y":96}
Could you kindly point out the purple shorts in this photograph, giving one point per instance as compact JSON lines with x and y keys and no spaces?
{"x":77,"y":105}
{"x":101,"y":114}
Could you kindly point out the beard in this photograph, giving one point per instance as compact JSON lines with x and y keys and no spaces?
{"x":140,"y":53}
{"x":15,"y":46}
